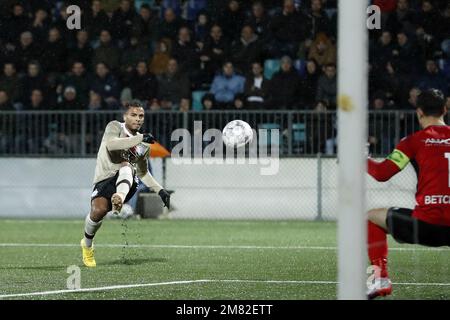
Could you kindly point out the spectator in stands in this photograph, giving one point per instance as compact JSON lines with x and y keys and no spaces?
{"x":259,"y":20}
{"x":96,"y":102}
{"x":256,"y":88}
{"x":173,"y":88}
{"x":16,"y":24}
{"x":143,"y":84}
{"x":194,"y":8}
{"x":215,"y":52}
{"x":201,"y":28}
{"x":381,"y":134}
{"x":40,"y":25}
{"x":322,"y":51}
{"x":26,"y":51}
{"x":10,"y":82}
{"x":36,"y":101}
{"x":169,"y":26}
{"x":308,"y":84}
{"x":412,"y":99}
{"x":5,"y":102}
{"x":443,"y":32}
{"x":95,"y":20}
{"x":288,"y":29}
{"x":161,"y":57}
{"x":135,"y":52}
{"x":55,"y":53}
{"x":106,"y":84}
{"x":405,"y":57}
{"x":35,"y":79}
{"x":82,"y":52}
{"x":231,"y":19}
{"x":403,"y":19}
{"x":122,"y":22}
{"x":432,"y":78}
{"x":107,"y":52}
{"x":145,"y":24}
{"x":185,"y":51}
{"x":429,"y":19}
{"x":284,"y":86}
{"x":318,"y":20}
{"x":69,"y":100}
{"x":208,"y":101}
{"x":246,"y":50}
{"x":326,"y":86}
{"x":381,"y":51}
{"x":394,"y":84}
{"x":78,"y":79}
{"x":227,"y":85}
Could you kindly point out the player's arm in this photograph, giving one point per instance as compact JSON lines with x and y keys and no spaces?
{"x":113,"y":142}
{"x":394,"y":163}
{"x":145,"y":176}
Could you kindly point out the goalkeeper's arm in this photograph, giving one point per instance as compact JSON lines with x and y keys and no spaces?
{"x":382,"y":171}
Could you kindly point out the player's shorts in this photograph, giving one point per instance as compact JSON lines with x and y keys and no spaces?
{"x":407,"y":229}
{"x":106,"y":188}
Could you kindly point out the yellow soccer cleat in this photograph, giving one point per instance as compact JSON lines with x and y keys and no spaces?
{"x":88,"y":255}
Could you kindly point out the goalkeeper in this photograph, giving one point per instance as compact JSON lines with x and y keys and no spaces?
{"x":121,"y":159}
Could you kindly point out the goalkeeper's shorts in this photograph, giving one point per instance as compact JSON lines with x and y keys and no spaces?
{"x":106,"y":188}
{"x":408,"y":229}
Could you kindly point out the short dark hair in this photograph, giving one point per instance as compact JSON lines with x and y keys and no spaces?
{"x":431,"y":102}
{"x":132,"y":104}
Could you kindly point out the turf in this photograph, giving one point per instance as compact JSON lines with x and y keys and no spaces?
{"x":248,"y":252}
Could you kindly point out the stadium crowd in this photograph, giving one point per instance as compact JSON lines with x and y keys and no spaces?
{"x":223,"y":54}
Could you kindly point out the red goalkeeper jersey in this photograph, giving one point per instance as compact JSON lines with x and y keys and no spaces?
{"x":428,"y":150}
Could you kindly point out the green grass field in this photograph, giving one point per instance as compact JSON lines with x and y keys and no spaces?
{"x":166,"y":259}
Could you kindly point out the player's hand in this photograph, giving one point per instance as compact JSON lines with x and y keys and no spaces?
{"x":165,"y":197}
{"x":148,"y":138}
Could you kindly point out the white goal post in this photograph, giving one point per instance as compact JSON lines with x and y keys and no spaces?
{"x":352,"y":137}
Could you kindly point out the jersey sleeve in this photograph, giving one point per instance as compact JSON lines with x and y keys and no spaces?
{"x":143,"y":173}
{"x":394,"y":162}
{"x":113,"y":140}
{"x":403,"y":153}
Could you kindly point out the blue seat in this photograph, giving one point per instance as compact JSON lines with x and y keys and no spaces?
{"x":270,"y":67}
{"x":300,"y":66}
{"x":298,"y":132}
{"x":139,"y":3}
{"x":270,"y":141}
{"x":197,"y":100}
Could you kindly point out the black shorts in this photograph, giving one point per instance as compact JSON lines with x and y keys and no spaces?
{"x":106,"y":188}
{"x":407,"y":229}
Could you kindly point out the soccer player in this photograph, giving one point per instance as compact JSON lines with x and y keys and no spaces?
{"x":122,"y":158}
{"x":428,"y":223}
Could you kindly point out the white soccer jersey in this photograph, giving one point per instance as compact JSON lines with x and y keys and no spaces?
{"x":135,"y":152}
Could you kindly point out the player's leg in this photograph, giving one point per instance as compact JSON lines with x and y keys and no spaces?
{"x":378,"y":251}
{"x":123,"y":185}
{"x":99,"y":208}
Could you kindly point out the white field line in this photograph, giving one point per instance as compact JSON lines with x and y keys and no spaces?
{"x":175,"y":246}
{"x":128,"y":286}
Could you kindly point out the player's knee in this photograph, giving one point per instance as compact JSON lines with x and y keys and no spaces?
{"x":98,"y":212}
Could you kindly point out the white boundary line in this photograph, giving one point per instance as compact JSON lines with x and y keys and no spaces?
{"x":175,"y":246}
{"x":108,"y":288}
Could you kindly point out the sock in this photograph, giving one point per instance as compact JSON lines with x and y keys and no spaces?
{"x":90,"y":228}
{"x":377,"y":247}
{"x":124,"y":181}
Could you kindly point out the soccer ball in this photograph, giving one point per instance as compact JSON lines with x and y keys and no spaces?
{"x":237,"y":133}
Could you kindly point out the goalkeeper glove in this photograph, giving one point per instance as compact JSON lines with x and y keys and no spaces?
{"x":148,"y":138}
{"x":165,"y":197}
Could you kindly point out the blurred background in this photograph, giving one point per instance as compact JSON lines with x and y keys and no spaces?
{"x":270,"y":63}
